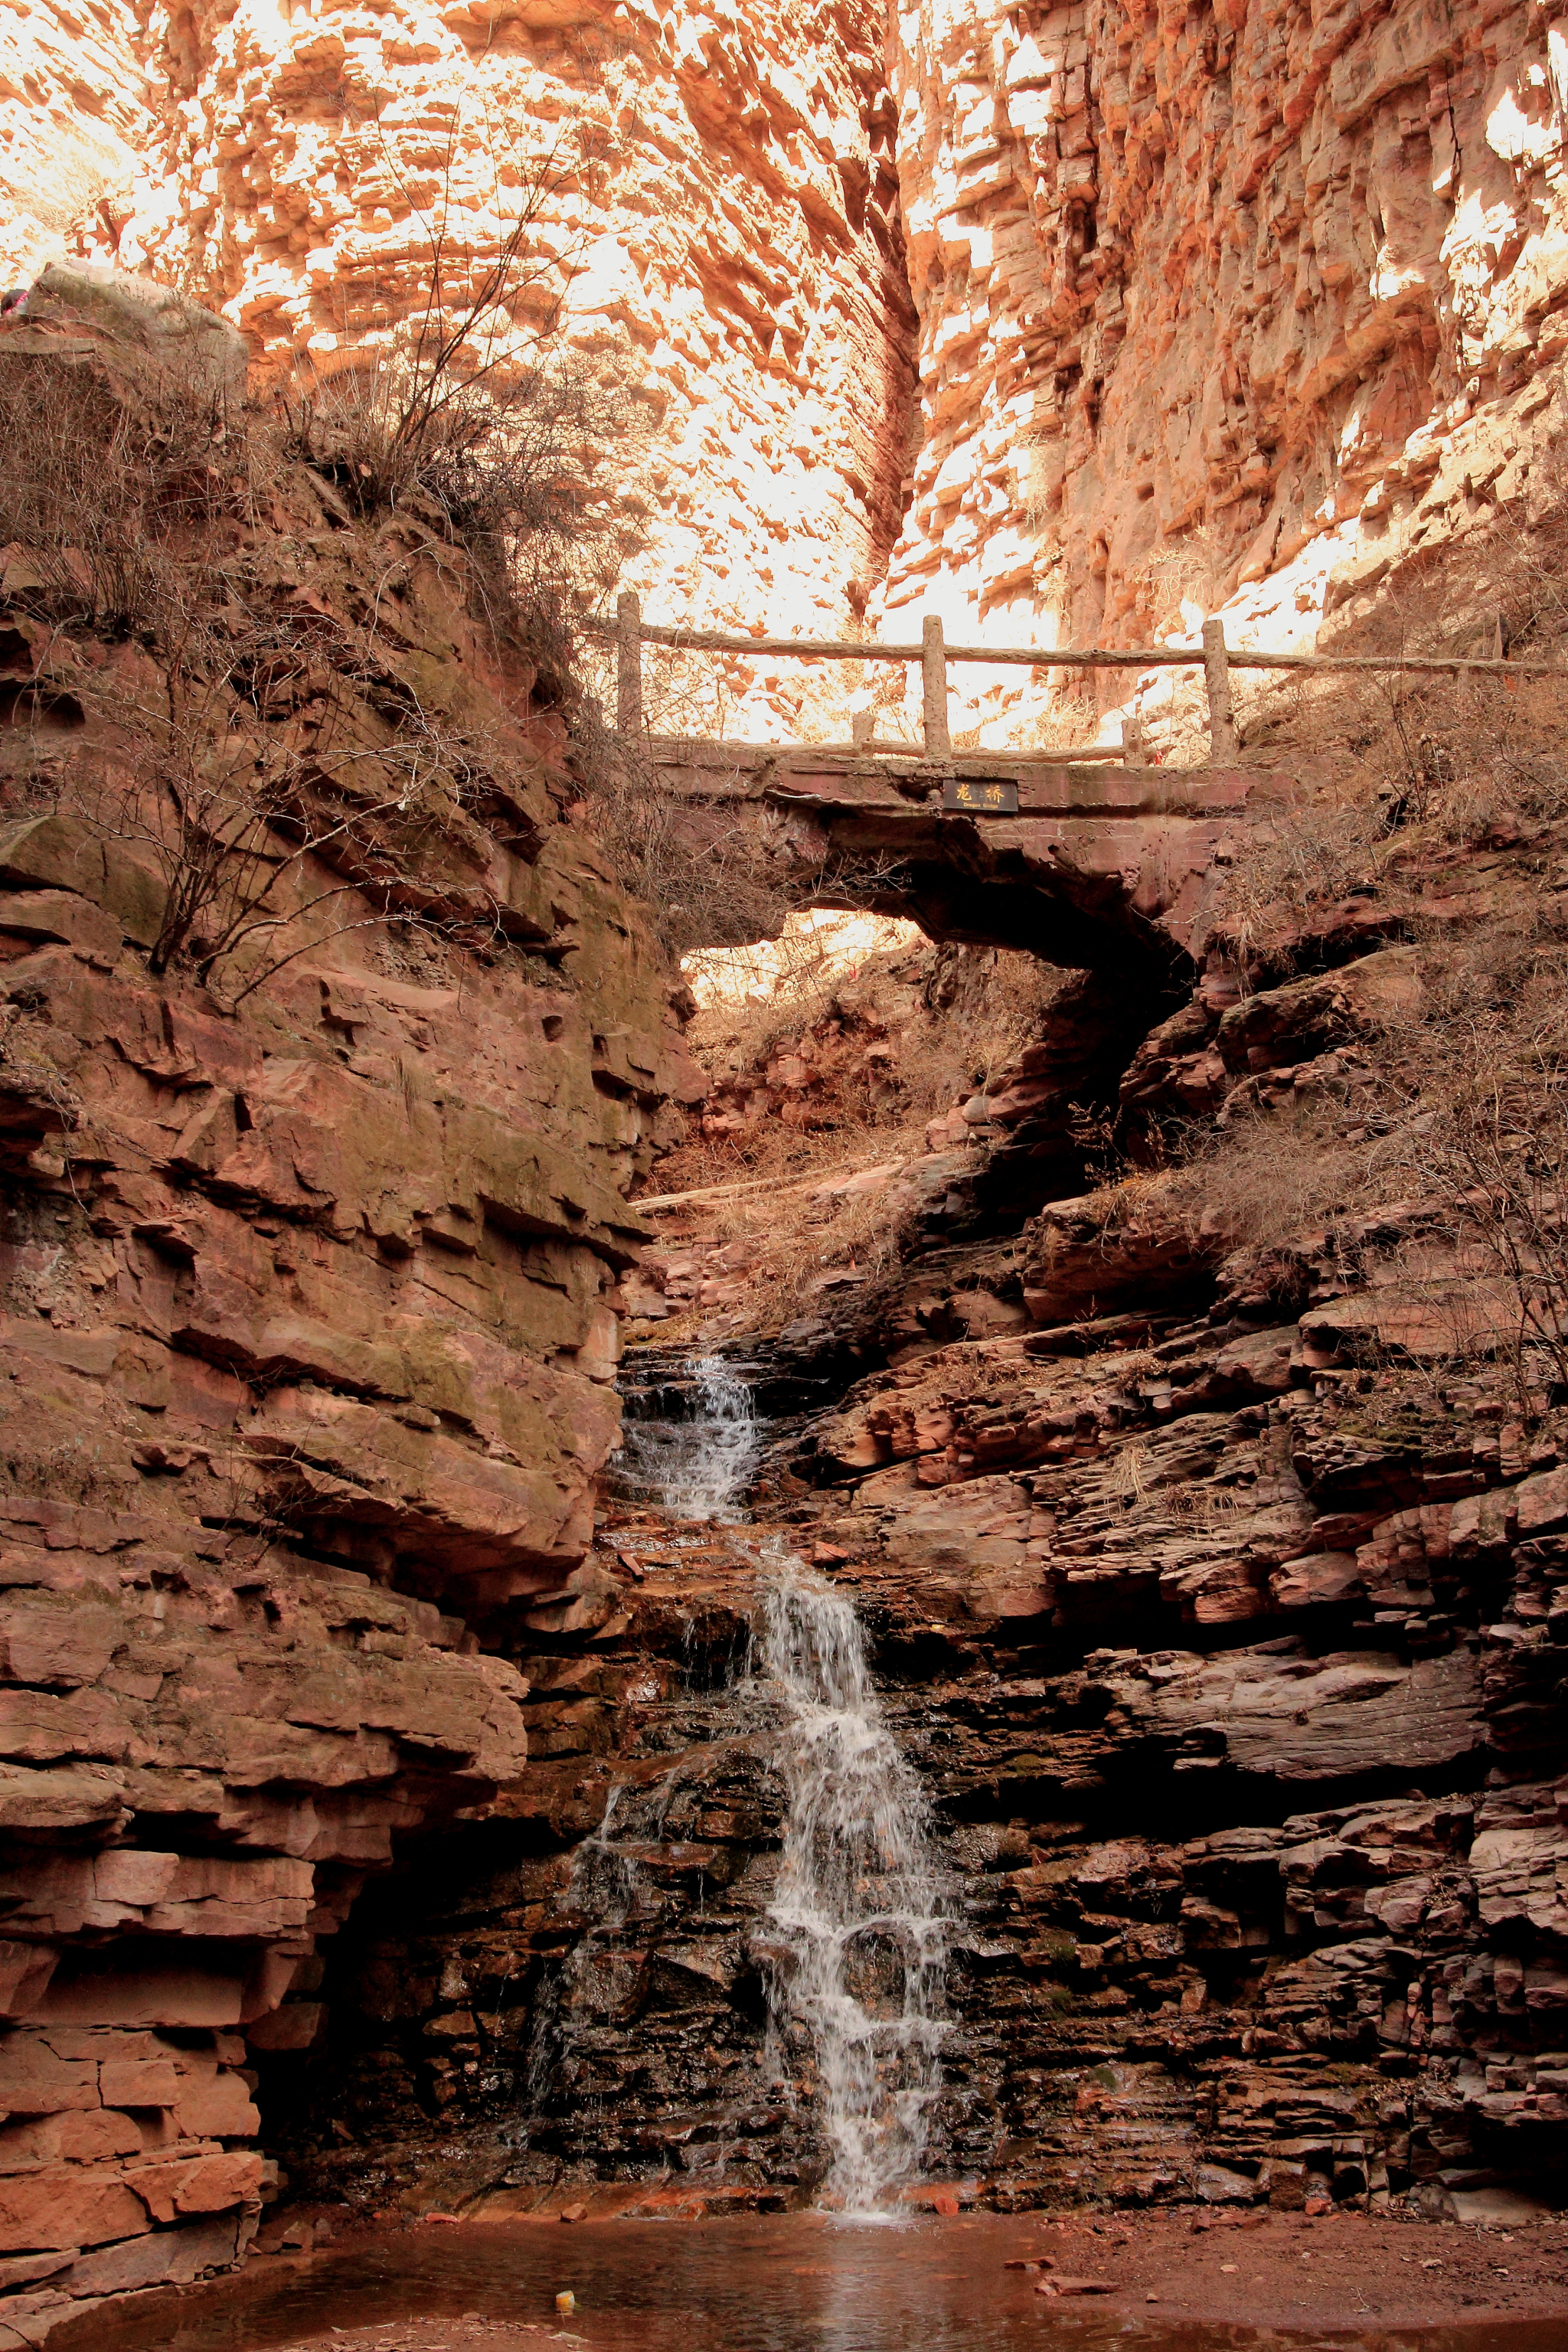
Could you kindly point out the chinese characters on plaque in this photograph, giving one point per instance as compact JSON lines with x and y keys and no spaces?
{"x":979,"y":796}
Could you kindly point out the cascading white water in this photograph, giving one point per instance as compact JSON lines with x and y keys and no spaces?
{"x":695,"y":1467}
{"x":857,"y":1911}
{"x":857,"y":1903}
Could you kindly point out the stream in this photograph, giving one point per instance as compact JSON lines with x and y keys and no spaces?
{"x":796,"y":2283}
{"x":855,"y":1947}
{"x":853,"y":1921}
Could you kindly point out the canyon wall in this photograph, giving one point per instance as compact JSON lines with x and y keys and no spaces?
{"x":1259,"y":309}
{"x":1239,"y":306}
{"x":1236,"y":1690}
{"x":307,"y":1274}
{"x":74,"y":121}
{"x":1217,"y":1594}
{"x":709,"y":196}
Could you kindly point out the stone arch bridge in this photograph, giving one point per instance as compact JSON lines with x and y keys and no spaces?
{"x":1092,"y":866}
{"x":1103,"y":865}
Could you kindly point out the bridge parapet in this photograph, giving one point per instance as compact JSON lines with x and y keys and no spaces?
{"x":1056,"y":784}
{"x":1215,"y":658}
{"x":1097,"y":867}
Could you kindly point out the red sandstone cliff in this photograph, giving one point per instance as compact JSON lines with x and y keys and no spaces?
{"x":307,"y":1293}
{"x":1245,"y":308}
{"x":1252,"y":310}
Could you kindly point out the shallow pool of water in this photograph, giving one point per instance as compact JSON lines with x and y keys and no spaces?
{"x":799,"y":2284}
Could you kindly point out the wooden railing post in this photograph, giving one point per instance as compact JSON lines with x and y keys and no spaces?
{"x":1216,"y":677}
{"x":1134,"y":748}
{"x":628,"y":663}
{"x":933,"y":688}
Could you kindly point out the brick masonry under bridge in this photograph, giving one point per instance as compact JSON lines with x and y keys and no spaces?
{"x":1102,"y":867}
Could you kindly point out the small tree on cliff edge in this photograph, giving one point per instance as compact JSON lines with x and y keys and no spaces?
{"x":476,"y":403}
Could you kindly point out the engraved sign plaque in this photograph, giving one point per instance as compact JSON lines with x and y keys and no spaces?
{"x":979,"y":796}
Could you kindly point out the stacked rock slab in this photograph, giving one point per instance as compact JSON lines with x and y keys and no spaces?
{"x":710,"y":193}
{"x":1250,"y":305}
{"x":1235,"y":1673}
{"x":308,"y":1346}
{"x":1219,"y":1600}
{"x":1247,"y":312}
{"x":1233,"y":1686}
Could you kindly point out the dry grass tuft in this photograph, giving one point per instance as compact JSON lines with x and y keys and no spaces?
{"x":1456,"y":1114}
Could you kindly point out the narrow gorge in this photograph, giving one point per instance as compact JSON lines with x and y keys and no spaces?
{"x":729,"y":1493}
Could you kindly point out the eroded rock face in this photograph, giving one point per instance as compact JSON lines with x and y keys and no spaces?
{"x":1243,"y":310}
{"x":1235,"y":1700}
{"x":578,"y":1993}
{"x":310,"y":1338}
{"x":1217,"y":1603}
{"x":1250,"y":316}
{"x":715,"y":201}
{"x":1147,"y":1614}
{"x":73,"y":117}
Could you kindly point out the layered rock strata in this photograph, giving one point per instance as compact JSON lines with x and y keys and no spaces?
{"x":74,"y":117}
{"x":1249,"y":316}
{"x":308,"y":1300}
{"x":713,"y":204}
{"x":1251,"y":1739}
{"x":1246,"y":310}
{"x":1095,"y":866}
{"x":1215,"y":1596}
{"x":1235,"y":1701}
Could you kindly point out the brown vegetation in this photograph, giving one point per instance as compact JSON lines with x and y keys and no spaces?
{"x":226,"y":721}
{"x":836,"y":1106}
{"x":1429,"y":1150}
{"x":828,"y":1070}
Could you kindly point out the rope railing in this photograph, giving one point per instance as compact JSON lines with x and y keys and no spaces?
{"x":1212,"y":657}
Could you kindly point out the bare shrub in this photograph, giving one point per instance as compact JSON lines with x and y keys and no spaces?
{"x":539,"y":470}
{"x":107,"y":498}
{"x":1475,"y":1111}
{"x":31,"y":1082}
{"x":284,"y":782}
{"x":239,"y":826}
{"x":1268,"y":1177}
{"x":703,"y":887}
{"x":1453,"y":1121}
{"x":1425,"y":765}
{"x":473,"y":406}
{"x":120,"y":511}
{"x":459,"y":342}
{"x":1306,"y":861}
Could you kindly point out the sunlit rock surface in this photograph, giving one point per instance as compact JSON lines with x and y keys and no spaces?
{"x":1245,"y":315}
{"x":712,"y":196}
{"x":74,"y":121}
{"x":1239,"y":310}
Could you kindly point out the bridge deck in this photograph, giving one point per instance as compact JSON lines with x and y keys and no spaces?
{"x":829,"y":776}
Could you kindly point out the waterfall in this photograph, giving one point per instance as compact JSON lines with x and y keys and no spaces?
{"x":853,"y":1955}
{"x":696,"y":1466}
{"x":857,"y":1905}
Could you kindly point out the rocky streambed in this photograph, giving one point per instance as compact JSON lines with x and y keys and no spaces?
{"x":1231,"y":1693}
